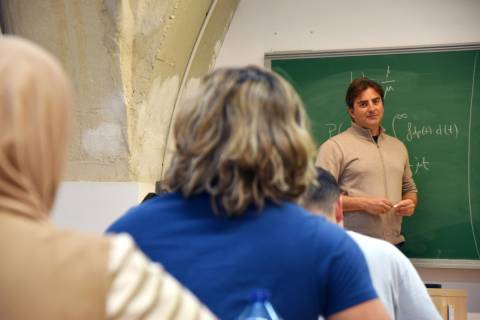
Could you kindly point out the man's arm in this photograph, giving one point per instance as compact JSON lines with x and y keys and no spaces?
{"x":372,"y":205}
{"x":406,"y":207}
{"x":372,"y":309}
{"x":330,"y":158}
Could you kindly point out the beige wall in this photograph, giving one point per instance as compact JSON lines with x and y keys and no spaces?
{"x":128,"y":60}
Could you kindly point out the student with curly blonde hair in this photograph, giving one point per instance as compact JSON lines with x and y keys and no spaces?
{"x":45,"y":272}
{"x":243,"y":140}
{"x":243,"y":157}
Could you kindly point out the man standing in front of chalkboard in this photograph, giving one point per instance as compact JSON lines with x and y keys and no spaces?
{"x":371,"y":167}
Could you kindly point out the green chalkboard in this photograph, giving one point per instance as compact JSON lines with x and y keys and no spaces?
{"x":432,"y":104}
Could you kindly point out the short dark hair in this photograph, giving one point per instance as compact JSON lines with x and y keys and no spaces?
{"x":323,"y":193}
{"x":357,"y":86}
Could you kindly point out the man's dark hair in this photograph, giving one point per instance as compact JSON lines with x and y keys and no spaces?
{"x":324,"y":193}
{"x":359,"y":85}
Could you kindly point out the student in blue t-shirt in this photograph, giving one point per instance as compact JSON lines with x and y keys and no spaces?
{"x":243,"y":157}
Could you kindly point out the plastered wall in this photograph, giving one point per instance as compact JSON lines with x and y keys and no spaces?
{"x":82,"y":34}
{"x":128,"y":60}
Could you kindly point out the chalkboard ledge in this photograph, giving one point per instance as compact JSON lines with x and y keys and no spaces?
{"x":446,"y":263}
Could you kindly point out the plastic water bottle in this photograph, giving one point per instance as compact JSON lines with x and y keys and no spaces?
{"x":259,"y":307}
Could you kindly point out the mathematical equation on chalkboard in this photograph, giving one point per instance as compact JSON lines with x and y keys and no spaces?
{"x":387,"y":81}
{"x":409,"y":132}
{"x":418,"y":131}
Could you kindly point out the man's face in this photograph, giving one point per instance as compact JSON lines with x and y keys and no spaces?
{"x":367,"y":110}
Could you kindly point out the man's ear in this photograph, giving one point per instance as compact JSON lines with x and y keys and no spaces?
{"x":339,"y":211}
{"x":350,"y":113}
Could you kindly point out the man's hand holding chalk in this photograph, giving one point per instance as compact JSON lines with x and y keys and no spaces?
{"x":406,"y":207}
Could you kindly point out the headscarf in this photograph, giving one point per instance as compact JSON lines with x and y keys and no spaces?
{"x":35,"y":123}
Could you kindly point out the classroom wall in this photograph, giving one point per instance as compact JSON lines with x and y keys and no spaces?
{"x":286,"y":25}
{"x":92,"y":206}
{"x":128,"y":62}
{"x":259,"y":27}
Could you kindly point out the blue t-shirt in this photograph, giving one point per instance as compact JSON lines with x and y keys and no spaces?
{"x":310,"y":266}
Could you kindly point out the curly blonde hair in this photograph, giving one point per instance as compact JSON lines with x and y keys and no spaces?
{"x":244,"y":139}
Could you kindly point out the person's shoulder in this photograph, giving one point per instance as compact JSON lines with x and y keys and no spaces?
{"x":345,"y":138}
{"x":332,"y":237}
{"x":149,"y":196}
{"x":346,"y":134}
{"x":393,"y":140}
{"x":372,"y":242}
{"x":293,"y":214}
{"x":334,"y":143}
{"x":378,"y":249}
{"x":142,"y":214}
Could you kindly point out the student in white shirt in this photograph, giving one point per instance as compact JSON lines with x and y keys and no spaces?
{"x":395,"y":279}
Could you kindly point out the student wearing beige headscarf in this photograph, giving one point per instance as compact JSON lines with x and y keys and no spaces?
{"x":45,"y":272}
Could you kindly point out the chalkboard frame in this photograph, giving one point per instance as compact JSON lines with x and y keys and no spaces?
{"x":281,"y":55}
{"x":445,"y":263}
{"x":278,"y":55}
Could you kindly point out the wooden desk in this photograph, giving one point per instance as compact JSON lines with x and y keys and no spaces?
{"x":451,"y":303}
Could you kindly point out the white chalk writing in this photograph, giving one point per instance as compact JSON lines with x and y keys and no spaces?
{"x":416,"y":131}
{"x":440,"y":129}
{"x":387,"y":81}
{"x":333,"y":128}
{"x":419,"y":164}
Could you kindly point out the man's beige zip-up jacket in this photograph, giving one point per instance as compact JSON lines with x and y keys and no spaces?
{"x":364,"y":168}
